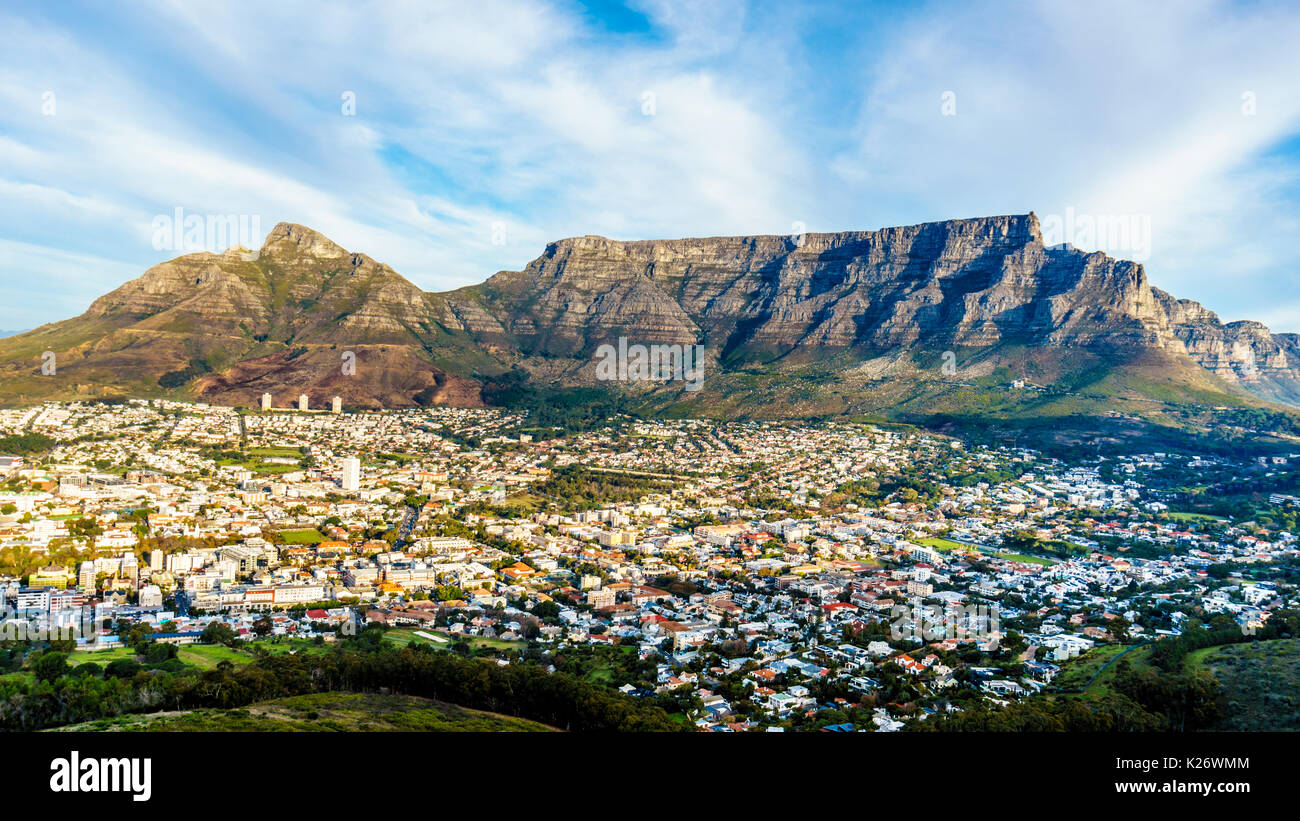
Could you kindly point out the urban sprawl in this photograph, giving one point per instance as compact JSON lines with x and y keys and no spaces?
{"x":756,"y":576}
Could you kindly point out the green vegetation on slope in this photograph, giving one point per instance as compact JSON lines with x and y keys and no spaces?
{"x":56,"y":694}
{"x":570,"y":409}
{"x":1259,"y":681}
{"x":322,"y":712}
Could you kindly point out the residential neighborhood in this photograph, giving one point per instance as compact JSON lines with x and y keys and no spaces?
{"x":744,"y":576}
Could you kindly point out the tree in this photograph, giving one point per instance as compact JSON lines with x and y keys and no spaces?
{"x":89,"y":668}
{"x":84,"y":529}
{"x":138,"y":634}
{"x":157,"y":652}
{"x":450,"y":593}
{"x":1189,"y":701}
{"x":50,"y":666}
{"x":122,"y":668}
{"x":219,"y":633}
{"x":547,"y":610}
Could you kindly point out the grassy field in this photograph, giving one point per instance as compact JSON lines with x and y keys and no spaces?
{"x":525,"y":502}
{"x":943,"y":545}
{"x":273,"y":453}
{"x":1022,"y":558}
{"x":602,"y":669}
{"x":948,"y":545}
{"x":207,"y":656}
{"x":404,"y":636}
{"x":1137,"y":658}
{"x":288,"y":645}
{"x":322,"y":712}
{"x":302,"y":537}
{"x":101,"y":657}
{"x":262,"y":467}
{"x":1193,"y":517}
{"x":255,"y":460}
{"x":258,"y":466}
{"x":204,"y":656}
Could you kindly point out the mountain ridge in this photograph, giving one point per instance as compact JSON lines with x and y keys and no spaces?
{"x":875,"y":309}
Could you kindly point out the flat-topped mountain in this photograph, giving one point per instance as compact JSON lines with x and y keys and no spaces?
{"x":919,"y":321}
{"x":959,"y":284}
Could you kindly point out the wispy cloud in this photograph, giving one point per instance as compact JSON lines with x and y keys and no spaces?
{"x":1106,"y":109}
{"x":706,"y":118}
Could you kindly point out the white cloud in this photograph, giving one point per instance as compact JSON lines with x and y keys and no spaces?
{"x":513,"y":112}
{"x":1108,"y":109}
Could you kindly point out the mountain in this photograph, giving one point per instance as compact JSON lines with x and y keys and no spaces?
{"x":227,"y":327}
{"x":930,"y":323}
{"x":960,"y":284}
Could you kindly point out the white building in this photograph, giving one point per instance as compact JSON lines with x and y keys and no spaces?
{"x":351,"y":473}
{"x":151,"y":596}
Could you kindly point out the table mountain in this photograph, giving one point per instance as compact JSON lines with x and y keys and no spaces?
{"x":848,"y":322}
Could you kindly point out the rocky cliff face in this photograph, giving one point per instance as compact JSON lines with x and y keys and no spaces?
{"x":959,"y":283}
{"x":298,"y":287}
{"x":1243,"y":352}
{"x":956,"y":284}
{"x":232,"y":325}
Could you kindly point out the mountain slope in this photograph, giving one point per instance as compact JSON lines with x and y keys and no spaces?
{"x":229,"y":326}
{"x":864,"y":322}
{"x":956,"y":284}
{"x":859,"y":322}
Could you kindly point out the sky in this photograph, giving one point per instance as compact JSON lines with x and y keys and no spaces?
{"x":454,"y":140}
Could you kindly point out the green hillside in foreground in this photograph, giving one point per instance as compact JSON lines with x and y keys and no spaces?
{"x":322,"y":712}
{"x":1259,"y":683}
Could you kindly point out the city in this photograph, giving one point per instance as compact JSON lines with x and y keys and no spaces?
{"x":743,"y":576}
{"x":448,"y":405}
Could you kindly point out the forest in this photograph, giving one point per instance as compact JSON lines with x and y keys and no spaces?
{"x":59,"y":695}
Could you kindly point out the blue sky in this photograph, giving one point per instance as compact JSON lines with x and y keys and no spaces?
{"x":484,"y":130}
